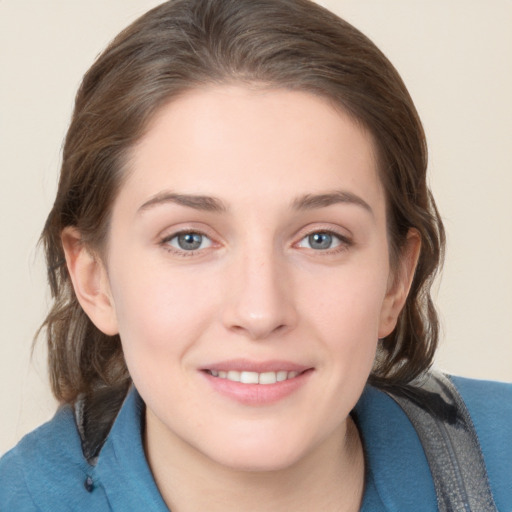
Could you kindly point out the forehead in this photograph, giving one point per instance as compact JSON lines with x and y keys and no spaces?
{"x":257,"y":143}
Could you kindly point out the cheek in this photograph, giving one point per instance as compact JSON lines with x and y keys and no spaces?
{"x":346,"y":317}
{"x":160,"y":311}
{"x":349,"y":303}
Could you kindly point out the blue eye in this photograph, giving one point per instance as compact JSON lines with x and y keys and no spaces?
{"x":320,"y":241}
{"x":189,"y":241}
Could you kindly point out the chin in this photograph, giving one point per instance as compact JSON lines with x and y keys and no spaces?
{"x":261,"y":463}
{"x":259,"y":455}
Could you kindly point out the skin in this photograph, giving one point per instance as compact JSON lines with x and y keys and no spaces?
{"x":258,"y":288}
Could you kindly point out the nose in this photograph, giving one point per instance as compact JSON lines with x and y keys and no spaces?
{"x":259,"y":299}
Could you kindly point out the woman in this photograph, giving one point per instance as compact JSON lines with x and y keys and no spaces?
{"x":242,"y":239}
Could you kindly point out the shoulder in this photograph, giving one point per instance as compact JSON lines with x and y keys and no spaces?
{"x":396,"y":423}
{"x":14,"y":493}
{"x":486,"y":399}
{"x":45,"y":465}
{"x":58,"y":468}
{"x":393,"y":453}
{"x":490,"y":406}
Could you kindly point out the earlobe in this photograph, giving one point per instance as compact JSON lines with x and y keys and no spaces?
{"x":90,"y":282}
{"x":401,"y":283}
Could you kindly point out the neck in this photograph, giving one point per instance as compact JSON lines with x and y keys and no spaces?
{"x":330,"y":478}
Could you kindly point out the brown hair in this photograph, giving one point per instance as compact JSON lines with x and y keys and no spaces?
{"x":183,"y":44}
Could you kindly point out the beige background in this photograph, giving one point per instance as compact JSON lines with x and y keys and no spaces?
{"x":454,"y":55}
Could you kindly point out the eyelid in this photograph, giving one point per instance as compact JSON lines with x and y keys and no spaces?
{"x":184,"y":231}
{"x":171,"y":233}
{"x":344,"y":237}
{"x":176,"y":236}
{"x":338,"y":231}
{"x":186,"y":227}
{"x":337,"y":240}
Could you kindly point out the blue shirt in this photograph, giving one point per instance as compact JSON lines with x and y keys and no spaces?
{"x":46,"y":471}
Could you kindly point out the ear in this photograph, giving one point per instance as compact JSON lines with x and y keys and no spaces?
{"x":90,"y":282}
{"x":400,"y":283}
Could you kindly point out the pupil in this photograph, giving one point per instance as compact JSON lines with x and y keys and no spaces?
{"x":190,"y":241}
{"x":320,"y":240}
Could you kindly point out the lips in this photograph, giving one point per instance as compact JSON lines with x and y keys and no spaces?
{"x":256,"y":383}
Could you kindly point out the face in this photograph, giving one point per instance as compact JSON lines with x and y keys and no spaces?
{"x":248,"y":273}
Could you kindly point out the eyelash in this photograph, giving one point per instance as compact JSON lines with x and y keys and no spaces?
{"x":343,"y":242}
{"x":165,"y":243}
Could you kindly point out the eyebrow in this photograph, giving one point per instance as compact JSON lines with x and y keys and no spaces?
{"x":313,"y":201}
{"x":197,"y":202}
{"x":212,"y":204}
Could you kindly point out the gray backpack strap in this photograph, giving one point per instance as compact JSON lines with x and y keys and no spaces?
{"x":442,"y":422}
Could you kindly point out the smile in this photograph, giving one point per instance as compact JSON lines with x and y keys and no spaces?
{"x":256,"y":383}
{"x":246,"y":377}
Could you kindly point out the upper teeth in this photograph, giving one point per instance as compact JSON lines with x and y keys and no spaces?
{"x":254,"y":377}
